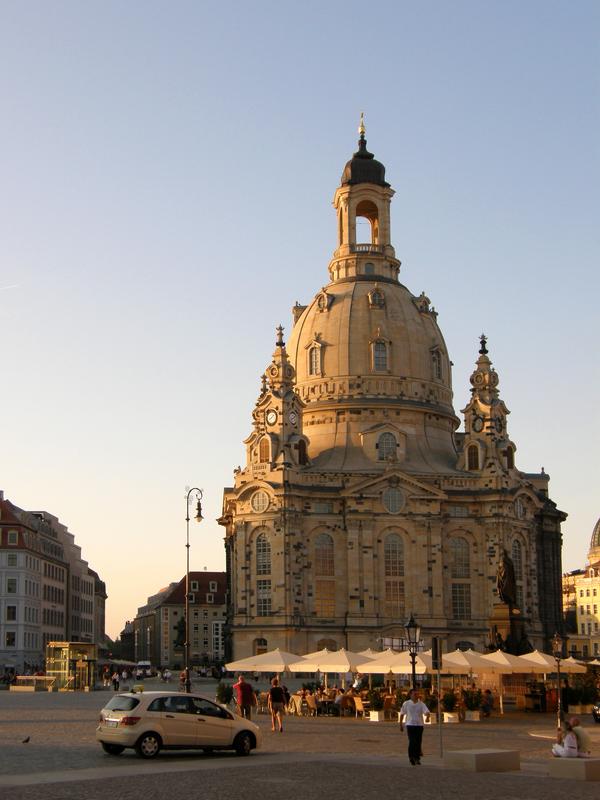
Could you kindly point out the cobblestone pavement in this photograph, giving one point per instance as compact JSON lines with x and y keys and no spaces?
{"x":313,"y":756}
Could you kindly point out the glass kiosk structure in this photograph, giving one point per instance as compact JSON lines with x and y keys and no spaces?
{"x":72,"y":665}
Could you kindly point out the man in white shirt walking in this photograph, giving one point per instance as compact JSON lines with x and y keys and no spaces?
{"x":414,"y":712}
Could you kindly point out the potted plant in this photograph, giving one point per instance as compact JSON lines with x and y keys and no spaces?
{"x":375,"y":706}
{"x":449,"y":706}
{"x":432,"y":704}
{"x":472,"y":700}
{"x":589,"y":695}
{"x":224,"y":693}
{"x":574,"y":694}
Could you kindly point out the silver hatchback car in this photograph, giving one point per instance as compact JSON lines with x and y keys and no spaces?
{"x":152,"y":721}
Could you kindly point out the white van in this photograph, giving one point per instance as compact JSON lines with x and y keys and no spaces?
{"x":145,"y":668}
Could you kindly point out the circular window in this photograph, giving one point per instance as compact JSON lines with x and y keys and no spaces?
{"x":393,"y":500}
{"x":260,"y":502}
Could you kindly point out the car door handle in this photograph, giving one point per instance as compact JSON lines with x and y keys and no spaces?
{"x":199,"y":719}
{"x":170,"y":716}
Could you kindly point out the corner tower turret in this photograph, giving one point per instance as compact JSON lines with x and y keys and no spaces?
{"x":486,"y":444}
{"x":277,"y":438}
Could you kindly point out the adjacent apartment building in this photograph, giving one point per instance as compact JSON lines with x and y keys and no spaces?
{"x":47,"y":590}
{"x":159,"y":625}
{"x":581,"y":603}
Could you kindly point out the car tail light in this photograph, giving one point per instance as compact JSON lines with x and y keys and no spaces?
{"x":129,"y":720}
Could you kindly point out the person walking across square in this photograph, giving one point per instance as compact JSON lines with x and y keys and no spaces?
{"x":414,"y":712}
{"x":244,"y":697}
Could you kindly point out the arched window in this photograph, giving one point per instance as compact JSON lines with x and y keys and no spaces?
{"x":460,"y":570}
{"x":324,"y":565}
{"x":260,"y":646}
{"x":263,"y":555}
{"x":473,"y":457}
{"x":393,"y":553}
{"x":380,"y":359}
{"x":386,"y":446}
{"x":517,"y":559}
{"x":393,"y":557}
{"x":314,"y":361}
{"x":324,"y":580}
{"x":302,"y":455}
{"x":264,"y":450}
{"x":436,"y":364}
{"x":459,"y":555}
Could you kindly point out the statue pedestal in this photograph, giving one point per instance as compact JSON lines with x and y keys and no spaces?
{"x":507,"y":629}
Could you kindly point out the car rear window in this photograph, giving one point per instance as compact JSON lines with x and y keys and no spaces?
{"x":122,"y":703}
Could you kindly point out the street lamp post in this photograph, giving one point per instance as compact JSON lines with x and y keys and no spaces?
{"x":413,"y":636}
{"x":557,"y":651}
{"x":198,"y":517}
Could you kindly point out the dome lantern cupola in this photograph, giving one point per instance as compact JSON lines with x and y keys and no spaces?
{"x":362,"y":167}
{"x":364,"y":250}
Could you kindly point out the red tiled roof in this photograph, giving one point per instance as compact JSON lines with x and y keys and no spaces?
{"x":177,"y":595}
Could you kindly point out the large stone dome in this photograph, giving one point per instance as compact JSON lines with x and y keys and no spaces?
{"x":370,"y":353}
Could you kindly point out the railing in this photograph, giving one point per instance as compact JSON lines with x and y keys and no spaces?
{"x":366,"y":248}
{"x":33,"y":683}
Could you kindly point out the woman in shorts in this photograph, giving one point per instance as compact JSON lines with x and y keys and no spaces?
{"x":276,"y":705}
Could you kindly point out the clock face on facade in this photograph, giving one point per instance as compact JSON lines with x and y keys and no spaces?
{"x":478,"y":424}
{"x":293,"y":417}
{"x":271,"y":416}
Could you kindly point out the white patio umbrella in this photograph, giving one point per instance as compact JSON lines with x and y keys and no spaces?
{"x":368,"y":653}
{"x":571,"y":665}
{"x":329,"y":661}
{"x":502,"y":663}
{"x":539,"y":662}
{"x":273,"y":661}
{"x":396,"y":663}
{"x":463,"y":662}
{"x":594,"y":663}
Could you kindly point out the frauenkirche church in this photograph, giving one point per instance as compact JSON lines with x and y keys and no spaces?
{"x":360,"y":503}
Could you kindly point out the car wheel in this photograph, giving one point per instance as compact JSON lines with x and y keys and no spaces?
{"x":243,"y":744}
{"x":148,"y":745}
{"x":112,"y":749}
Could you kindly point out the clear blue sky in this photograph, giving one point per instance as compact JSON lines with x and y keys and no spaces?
{"x":167,"y":172}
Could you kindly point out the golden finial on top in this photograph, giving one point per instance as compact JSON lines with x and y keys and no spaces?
{"x":361,"y":128}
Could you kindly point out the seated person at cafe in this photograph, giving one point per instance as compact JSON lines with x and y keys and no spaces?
{"x":566,"y":744}
{"x":487,"y":703}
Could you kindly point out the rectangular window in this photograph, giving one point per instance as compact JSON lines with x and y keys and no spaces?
{"x":394,"y":598}
{"x":10,"y":639}
{"x":11,"y":560}
{"x":461,"y":601}
{"x":581,"y":609}
{"x":194,"y":586}
{"x":12,"y":537}
{"x":325,"y":598}
{"x":210,"y":598}
{"x":212,"y":586}
{"x":323,"y":508}
{"x":595,"y":609}
{"x":11,"y":585}
{"x":11,"y":613}
{"x":263,"y":598}
{"x":583,"y":629}
{"x":519,"y":597}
